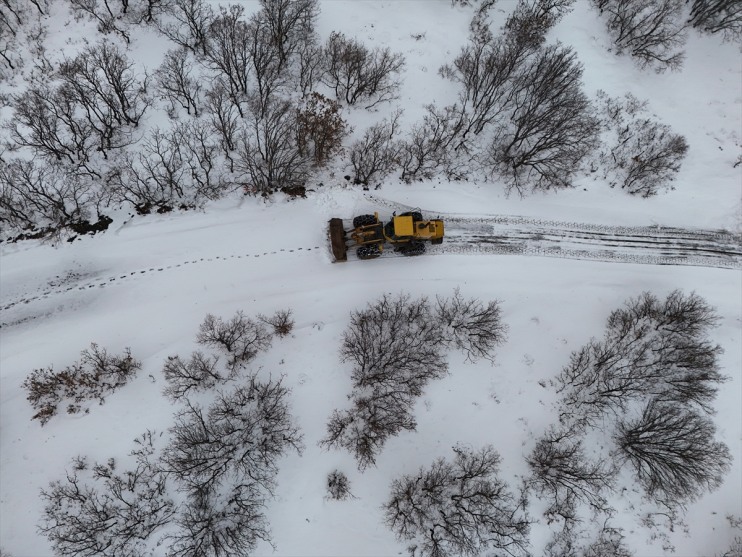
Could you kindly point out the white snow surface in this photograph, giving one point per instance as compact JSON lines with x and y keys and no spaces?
{"x":148,"y":282}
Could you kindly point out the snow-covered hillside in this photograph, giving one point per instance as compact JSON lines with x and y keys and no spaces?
{"x":148,"y":281}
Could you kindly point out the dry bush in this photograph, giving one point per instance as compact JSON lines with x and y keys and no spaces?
{"x":94,"y":376}
{"x":320,"y":129}
{"x":240,"y":337}
{"x":281,"y":322}
{"x":338,"y":486}
{"x":198,"y":373}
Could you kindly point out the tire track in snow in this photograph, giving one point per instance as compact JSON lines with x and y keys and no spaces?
{"x":119,"y":278}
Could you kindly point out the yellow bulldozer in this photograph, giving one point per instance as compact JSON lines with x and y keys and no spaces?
{"x":407,"y":232}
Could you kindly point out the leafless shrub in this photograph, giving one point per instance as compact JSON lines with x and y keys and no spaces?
{"x":642,"y":156}
{"x":429,"y":147}
{"x":564,"y":475}
{"x":375,"y":155}
{"x":97,"y":511}
{"x":470,"y":326}
{"x":358,"y":74}
{"x":200,"y":372}
{"x":39,"y":194}
{"x":673,"y":452}
{"x":338,"y":486}
{"x":653,"y":32}
{"x":95,"y":375}
{"x":458,"y":508}
{"x":320,"y":128}
{"x":240,"y":337}
{"x":176,"y":83}
{"x":281,"y":322}
{"x":268,"y":156}
{"x":652,"y":348}
{"x":718,"y":16}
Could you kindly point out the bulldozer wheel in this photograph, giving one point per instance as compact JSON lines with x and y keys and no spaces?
{"x":436,"y":241}
{"x":413,"y":248}
{"x":416,"y":215}
{"x":368,"y":252}
{"x":363,"y":220}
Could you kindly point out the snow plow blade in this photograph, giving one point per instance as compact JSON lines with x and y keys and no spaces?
{"x":337,"y":240}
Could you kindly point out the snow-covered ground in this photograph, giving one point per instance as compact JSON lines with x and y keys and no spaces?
{"x":148,"y":282}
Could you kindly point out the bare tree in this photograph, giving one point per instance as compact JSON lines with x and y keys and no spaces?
{"x":564,"y":475}
{"x":608,"y":543}
{"x":107,"y":15}
{"x":321,"y":128}
{"x":395,"y":347}
{"x":642,"y":155}
{"x":375,"y":155}
{"x":268,"y":157}
{"x":39,"y":194}
{"x":97,"y":511}
{"x":176,"y":83}
{"x":312,"y":66}
{"x":226,"y":523}
{"x":673,"y":452}
{"x":470,"y":326}
{"x":224,"y":118}
{"x":652,"y":348}
{"x":550,"y":130}
{"x":653,"y":32}
{"x":228,"y":51}
{"x":429,"y":147}
{"x":358,"y":74}
{"x":718,"y":16}
{"x":291,"y":24}
{"x":47,"y":121}
{"x":459,"y":508}
{"x":187,"y":24}
{"x":237,"y":441}
{"x":268,"y":74}
{"x":281,"y":322}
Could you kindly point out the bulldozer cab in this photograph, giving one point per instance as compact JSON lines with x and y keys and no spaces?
{"x":399,"y":228}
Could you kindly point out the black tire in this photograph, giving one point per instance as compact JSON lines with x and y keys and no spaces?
{"x":413,"y":248}
{"x":363,"y":220}
{"x":417,"y":216}
{"x":371,"y":251}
